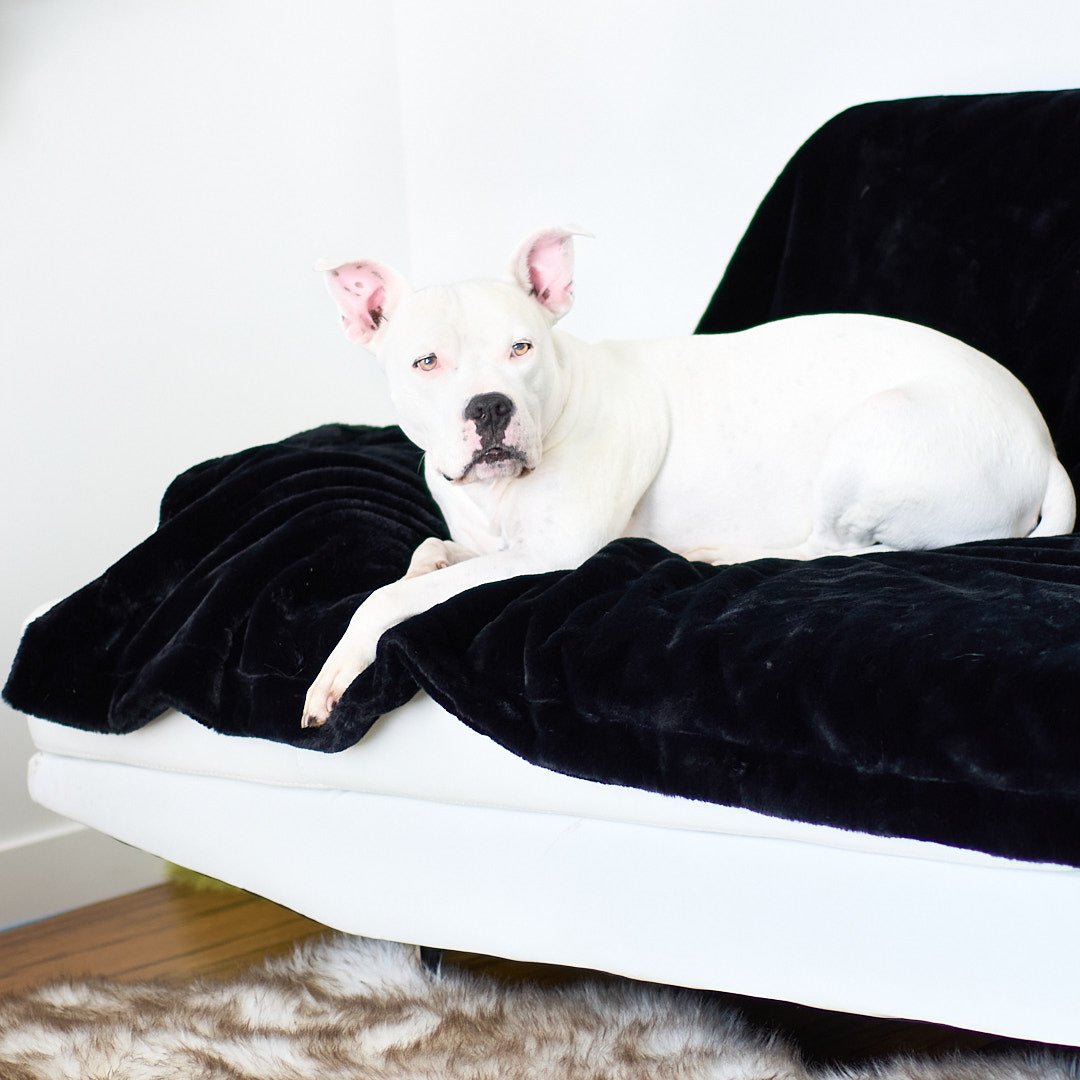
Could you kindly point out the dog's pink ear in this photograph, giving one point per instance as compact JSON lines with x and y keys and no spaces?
{"x":544,"y":268}
{"x":366,"y":294}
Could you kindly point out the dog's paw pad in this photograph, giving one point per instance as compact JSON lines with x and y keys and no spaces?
{"x":315,"y":715}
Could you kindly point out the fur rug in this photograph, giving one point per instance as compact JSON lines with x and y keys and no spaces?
{"x":348,"y":1008}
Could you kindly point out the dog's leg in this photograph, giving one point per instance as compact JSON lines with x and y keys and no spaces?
{"x":911,"y":470}
{"x":726,"y":554}
{"x":435,"y":554}
{"x":569,"y":514}
{"x":399,"y":600}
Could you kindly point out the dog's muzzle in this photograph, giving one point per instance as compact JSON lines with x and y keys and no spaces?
{"x":490,"y":413}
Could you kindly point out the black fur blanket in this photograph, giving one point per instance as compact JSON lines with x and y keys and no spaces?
{"x":920,"y":694}
{"x":933,"y":695}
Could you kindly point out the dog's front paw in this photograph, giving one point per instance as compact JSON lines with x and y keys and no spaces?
{"x":430,"y":556}
{"x":345,"y":663}
{"x":435,"y":554}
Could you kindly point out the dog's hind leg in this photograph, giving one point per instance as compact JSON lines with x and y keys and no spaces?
{"x":916,"y":467}
{"x":726,"y":554}
{"x":1058,"y":512}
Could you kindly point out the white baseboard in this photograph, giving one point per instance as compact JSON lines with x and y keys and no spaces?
{"x":66,"y":868}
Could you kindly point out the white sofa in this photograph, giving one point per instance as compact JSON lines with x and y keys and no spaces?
{"x":429,"y":833}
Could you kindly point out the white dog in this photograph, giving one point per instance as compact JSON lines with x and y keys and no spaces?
{"x":810,"y":436}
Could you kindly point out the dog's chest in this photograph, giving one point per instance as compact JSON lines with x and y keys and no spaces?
{"x":481,"y":516}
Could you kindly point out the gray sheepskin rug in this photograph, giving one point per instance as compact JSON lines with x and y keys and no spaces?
{"x":344,"y":1008}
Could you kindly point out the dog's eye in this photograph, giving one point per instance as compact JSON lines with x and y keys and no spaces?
{"x":426,"y":363}
{"x":520,"y":348}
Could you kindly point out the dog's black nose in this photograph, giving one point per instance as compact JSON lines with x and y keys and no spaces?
{"x":491,"y":413}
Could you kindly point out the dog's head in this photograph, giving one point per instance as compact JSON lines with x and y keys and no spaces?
{"x":471,"y":367}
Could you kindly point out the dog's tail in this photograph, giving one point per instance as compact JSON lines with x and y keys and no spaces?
{"x":1058,"y":513}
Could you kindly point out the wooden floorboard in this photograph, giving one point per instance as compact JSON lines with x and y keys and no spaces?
{"x":168,"y":931}
{"x":174,"y":931}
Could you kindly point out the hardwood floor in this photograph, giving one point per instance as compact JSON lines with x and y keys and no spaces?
{"x":169,"y":931}
{"x":174,"y":931}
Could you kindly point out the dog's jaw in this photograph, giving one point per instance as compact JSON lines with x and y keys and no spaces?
{"x":510,"y":454}
{"x":495,"y":463}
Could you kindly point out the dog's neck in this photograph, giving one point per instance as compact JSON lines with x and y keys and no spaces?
{"x":568,"y":375}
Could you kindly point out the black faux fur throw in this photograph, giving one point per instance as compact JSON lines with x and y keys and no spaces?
{"x":919,"y":694}
{"x":933,"y":695}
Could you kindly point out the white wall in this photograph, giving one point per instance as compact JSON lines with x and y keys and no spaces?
{"x":660,"y":128}
{"x":169,"y":171}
